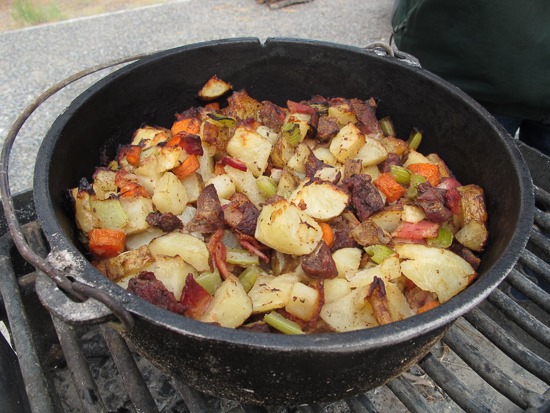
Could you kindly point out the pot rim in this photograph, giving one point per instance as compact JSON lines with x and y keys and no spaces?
{"x":359,"y":340}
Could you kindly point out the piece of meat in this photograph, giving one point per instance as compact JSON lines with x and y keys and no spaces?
{"x":272,"y":116}
{"x":194,"y":298}
{"x":218,"y":254}
{"x":327,"y":128}
{"x":313,"y":164}
{"x":392,"y":159}
{"x":241,"y":214}
{"x":146,"y":286}
{"x":167,"y":222}
{"x":341,"y":229}
{"x":369,"y":233}
{"x":209,"y":217}
{"x":432,"y":202}
{"x":365,"y":197}
{"x":366,"y":117}
{"x":320,"y":264}
{"x":252,"y":245}
{"x":379,"y":301}
{"x":465,"y":254}
{"x":352,"y":167}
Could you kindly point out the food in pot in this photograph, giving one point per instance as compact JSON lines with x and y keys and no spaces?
{"x":312,"y":217}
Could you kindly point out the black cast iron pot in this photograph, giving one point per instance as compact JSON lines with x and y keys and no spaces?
{"x":279,"y":369}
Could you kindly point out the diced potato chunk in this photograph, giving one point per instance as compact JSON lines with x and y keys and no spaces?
{"x":434,"y":269}
{"x":397,"y":303}
{"x":147,"y":174}
{"x":389,"y":218}
{"x":126,"y":264}
{"x":191,"y":249}
{"x":372,"y":152}
{"x":85,"y":219}
{"x":148,"y":136}
{"x":347,"y":259}
{"x":285,"y":227}
{"x":320,"y":200}
{"x":347,"y":143}
{"x":298,"y":160}
{"x":224,"y":185}
{"x":104,"y":183}
{"x":214,"y":88}
{"x":304,"y":301}
{"x":415,"y":157}
{"x":342,"y":113}
{"x":472,"y":204}
{"x":473,"y":235}
{"x":136,"y":210}
{"x":170,"y":157}
{"x":335,"y":289}
{"x":387,"y":270}
{"x":270,"y":292}
{"x":139,"y":239}
{"x":245,"y":183}
{"x":343,"y":315}
{"x":170,"y":195}
{"x":231,"y":305}
{"x":172,"y":271}
{"x":324,"y":154}
{"x":251,"y":148}
{"x":193,"y":186}
{"x":412,"y":214}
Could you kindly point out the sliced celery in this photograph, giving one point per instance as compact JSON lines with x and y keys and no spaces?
{"x":444,"y":238}
{"x":249,"y":276}
{"x":210,"y":281}
{"x":267,"y":186}
{"x":284,"y":325}
{"x":242,"y":258}
{"x":387,"y":126}
{"x":379,"y":252}
{"x":415,"y":139}
{"x":401,"y":174}
{"x":292,"y":133}
{"x":415,"y":180}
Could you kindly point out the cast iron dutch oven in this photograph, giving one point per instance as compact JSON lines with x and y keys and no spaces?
{"x":267,"y":368}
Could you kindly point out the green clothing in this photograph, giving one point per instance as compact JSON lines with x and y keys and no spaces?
{"x":496,"y":51}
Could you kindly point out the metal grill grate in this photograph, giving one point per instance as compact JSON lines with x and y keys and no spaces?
{"x":496,"y":358}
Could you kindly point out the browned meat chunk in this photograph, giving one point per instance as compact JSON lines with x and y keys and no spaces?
{"x":341,"y":229}
{"x":392,"y":159}
{"x":167,"y":222}
{"x":466,"y":254}
{"x":313,"y":164}
{"x":365,"y":198}
{"x":327,"y":128}
{"x":366,"y":115}
{"x":272,"y":116}
{"x":241,"y":214}
{"x":368,"y":233}
{"x":379,"y":301}
{"x":146,"y":286}
{"x":352,"y":167}
{"x":432,"y":202}
{"x":209,"y":217}
{"x":320,"y":264}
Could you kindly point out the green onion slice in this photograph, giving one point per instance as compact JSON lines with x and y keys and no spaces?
{"x":222,"y":120}
{"x":241,"y":257}
{"x":415,"y":138}
{"x":267,"y":186}
{"x":292,"y":133}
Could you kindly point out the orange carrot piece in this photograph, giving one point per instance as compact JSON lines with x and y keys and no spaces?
{"x":174,"y":141}
{"x":389,"y":186}
{"x":133,"y":155}
{"x":187,"y":167}
{"x":428,"y":171}
{"x":328,"y":235}
{"x":428,"y":306}
{"x":133,"y":190}
{"x":189,"y":125}
{"x":106,"y":243}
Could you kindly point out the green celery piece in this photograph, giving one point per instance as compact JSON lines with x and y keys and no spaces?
{"x":249,"y":276}
{"x":444,"y":238}
{"x":241,"y":257}
{"x":284,"y":325}
{"x":379,"y":252}
{"x":210,"y":281}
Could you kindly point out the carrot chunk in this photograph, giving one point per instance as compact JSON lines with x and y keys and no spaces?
{"x":133,"y":155}
{"x":328,"y":235}
{"x":187,"y":167}
{"x":106,"y":243}
{"x":387,"y":184}
{"x":428,"y":171}
{"x":188,"y":125}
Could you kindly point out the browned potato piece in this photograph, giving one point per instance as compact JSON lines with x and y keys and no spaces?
{"x":214,"y":88}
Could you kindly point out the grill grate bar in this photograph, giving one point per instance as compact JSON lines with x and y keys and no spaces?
{"x":536,"y":264}
{"x":458,"y":339}
{"x":514,"y":349}
{"x":542,"y":197}
{"x":194,"y":400}
{"x":521,"y":317}
{"x":456,"y":390}
{"x":131,"y":376}
{"x":361,"y":404}
{"x":409,"y":396}
{"x":529,"y":289}
{"x":540,"y":241}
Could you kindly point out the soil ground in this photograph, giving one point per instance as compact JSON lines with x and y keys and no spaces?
{"x":47,"y":11}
